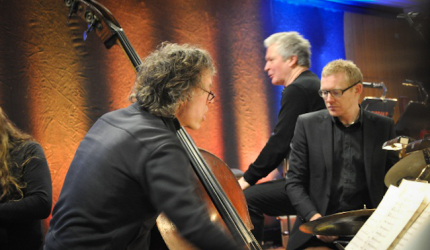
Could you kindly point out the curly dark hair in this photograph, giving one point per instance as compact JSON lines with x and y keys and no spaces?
{"x":168,"y":76}
{"x":11,"y":140}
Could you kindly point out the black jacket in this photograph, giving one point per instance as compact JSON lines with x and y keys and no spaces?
{"x":311,"y":165}
{"x":128,"y":169}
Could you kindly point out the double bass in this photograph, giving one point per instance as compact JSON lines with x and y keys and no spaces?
{"x":224,"y":198}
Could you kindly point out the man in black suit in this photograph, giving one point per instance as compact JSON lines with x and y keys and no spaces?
{"x":337,"y":162}
{"x":131,"y":166}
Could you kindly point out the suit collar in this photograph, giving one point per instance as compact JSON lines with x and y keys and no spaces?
{"x":369,"y":136}
{"x":359,"y":119}
{"x":326,"y":132}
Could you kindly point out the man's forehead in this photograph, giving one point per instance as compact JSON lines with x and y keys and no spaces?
{"x":336,"y":75}
{"x":338,"y":78}
{"x":272,"y":48}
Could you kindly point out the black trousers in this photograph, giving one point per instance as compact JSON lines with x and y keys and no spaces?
{"x":269,"y":198}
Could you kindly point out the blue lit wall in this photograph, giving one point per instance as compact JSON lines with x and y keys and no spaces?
{"x":322,"y":26}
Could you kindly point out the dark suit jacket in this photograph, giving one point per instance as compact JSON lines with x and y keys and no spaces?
{"x":309,"y":177}
{"x":128,"y":168}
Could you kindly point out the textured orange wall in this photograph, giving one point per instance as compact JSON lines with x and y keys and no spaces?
{"x":54,"y":85}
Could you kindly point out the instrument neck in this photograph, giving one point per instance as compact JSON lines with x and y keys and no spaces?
{"x":126,"y":46}
{"x":223,"y":204}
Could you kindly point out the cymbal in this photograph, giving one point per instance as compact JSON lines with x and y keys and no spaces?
{"x":408,"y":168}
{"x":340,"y":224}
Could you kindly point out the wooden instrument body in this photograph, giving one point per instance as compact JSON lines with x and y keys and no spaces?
{"x":227,"y":180}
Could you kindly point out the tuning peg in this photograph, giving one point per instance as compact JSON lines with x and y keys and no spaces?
{"x":90,"y":28}
{"x":92,"y":21}
{"x":72,"y":8}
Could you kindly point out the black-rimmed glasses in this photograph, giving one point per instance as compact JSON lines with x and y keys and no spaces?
{"x":335,"y":92}
{"x":211,"y":94}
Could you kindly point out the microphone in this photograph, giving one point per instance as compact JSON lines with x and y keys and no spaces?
{"x":410,"y":83}
{"x":375,"y":85}
{"x":409,"y":14}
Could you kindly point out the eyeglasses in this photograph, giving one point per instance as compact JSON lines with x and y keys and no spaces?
{"x":335,"y":92}
{"x":211,"y":94}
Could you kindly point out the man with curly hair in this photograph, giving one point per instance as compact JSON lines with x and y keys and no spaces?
{"x":131,"y":166}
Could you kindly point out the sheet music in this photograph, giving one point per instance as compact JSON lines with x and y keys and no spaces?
{"x":398,"y":207}
{"x":417,"y":225}
{"x":365,"y":236}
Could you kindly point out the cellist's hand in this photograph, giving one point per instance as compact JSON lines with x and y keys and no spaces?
{"x":324,"y":238}
{"x":243,"y":184}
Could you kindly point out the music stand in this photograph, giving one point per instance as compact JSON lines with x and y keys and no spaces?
{"x":415,"y":119}
{"x":381,"y":106}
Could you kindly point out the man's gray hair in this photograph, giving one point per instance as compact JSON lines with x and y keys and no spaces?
{"x":291,"y":44}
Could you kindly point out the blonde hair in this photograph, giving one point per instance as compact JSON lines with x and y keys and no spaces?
{"x":352,"y":72}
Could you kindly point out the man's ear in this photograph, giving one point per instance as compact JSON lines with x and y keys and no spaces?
{"x":359,"y":88}
{"x":293,"y":61}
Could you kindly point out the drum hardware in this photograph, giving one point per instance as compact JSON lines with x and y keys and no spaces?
{"x":379,"y":105}
{"x":415,"y":166}
{"x":376,"y":85}
{"x":415,"y":119}
{"x":398,"y":144}
{"x":418,"y":145}
{"x":344,"y":224}
{"x":421,"y":90}
{"x":340,"y":244}
{"x":427,"y":167}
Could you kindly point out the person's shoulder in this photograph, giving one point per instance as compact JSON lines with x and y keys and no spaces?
{"x":315,"y":115}
{"x":26,"y":149}
{"x":306,"y":81}
{"x":132,"y":108}
{"x":132,"y":118}
{"x":377,"y":117}
{"x":308,"y":77}
{"x":30,"y":146}
{"x":134,"y":124}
